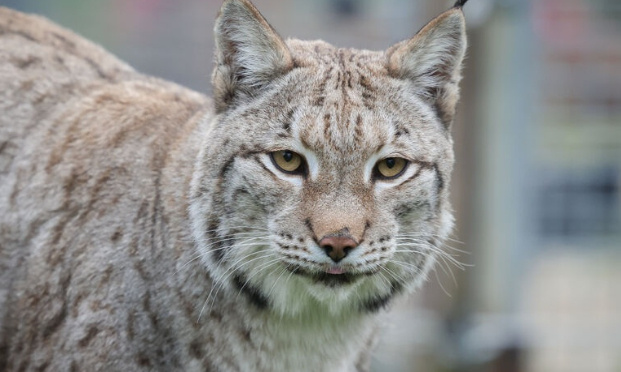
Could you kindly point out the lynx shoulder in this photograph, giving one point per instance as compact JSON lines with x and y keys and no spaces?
{"x":144,"y":226}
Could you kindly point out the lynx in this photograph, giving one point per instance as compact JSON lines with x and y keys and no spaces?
{"x":145,"y":227}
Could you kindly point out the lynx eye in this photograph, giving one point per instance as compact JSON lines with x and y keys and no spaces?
{"x":288,"y":161}
{"x":390,"y":167}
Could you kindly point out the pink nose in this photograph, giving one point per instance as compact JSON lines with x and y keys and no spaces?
{"x":337,"y":247}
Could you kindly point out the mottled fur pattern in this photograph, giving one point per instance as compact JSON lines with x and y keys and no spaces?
{"x":146,"y":227}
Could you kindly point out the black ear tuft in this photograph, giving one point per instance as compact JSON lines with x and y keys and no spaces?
{"x":460,"y":3}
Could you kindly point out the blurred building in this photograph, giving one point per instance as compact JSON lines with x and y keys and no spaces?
{"x":547,"y":205}
{"x":537,"y":184}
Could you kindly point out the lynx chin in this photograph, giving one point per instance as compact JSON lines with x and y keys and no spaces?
{"x":146,"y":227}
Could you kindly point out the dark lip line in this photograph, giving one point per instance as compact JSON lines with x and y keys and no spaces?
{"x":329,"y":279}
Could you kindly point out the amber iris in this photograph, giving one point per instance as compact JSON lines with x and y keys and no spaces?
{"x":288,"y":161}
{"x":390,"y":167}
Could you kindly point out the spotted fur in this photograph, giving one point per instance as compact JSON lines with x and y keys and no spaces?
{"x":145,"y":227}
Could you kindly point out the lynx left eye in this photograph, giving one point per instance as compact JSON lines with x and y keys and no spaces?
{"x":390,"y":168}
{"x":288,"y":161}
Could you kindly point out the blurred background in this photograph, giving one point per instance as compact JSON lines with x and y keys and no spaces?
{"x":537,"y":185}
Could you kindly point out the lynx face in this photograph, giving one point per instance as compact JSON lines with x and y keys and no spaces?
{"x":323,"y":180}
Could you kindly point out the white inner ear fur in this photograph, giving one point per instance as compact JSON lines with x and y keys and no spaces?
{"x":249,"y":53}
{"x":257,"y":51}
{"x":433,"y":57}
{"x":424,"y":60}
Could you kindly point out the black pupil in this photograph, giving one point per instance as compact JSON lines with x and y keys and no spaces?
{"x":287,"y":155}
{"x":390,"y":162}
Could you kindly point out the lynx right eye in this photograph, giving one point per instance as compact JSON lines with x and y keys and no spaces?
{"x":390,"y":168}
{"x":288,"y":161}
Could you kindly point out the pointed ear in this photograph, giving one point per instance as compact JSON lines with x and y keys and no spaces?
{"x":432,"y":60}
{"x":249,"y":54}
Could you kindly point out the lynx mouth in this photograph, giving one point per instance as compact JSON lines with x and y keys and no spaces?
{"x":336,"y":270}
{"x":332,"y":277}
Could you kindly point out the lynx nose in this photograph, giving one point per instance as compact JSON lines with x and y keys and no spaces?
{"x":337,"y":247}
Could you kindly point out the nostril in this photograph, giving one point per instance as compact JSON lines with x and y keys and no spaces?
{"x":337,"y":247}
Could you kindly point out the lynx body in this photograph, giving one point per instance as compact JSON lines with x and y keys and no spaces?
{"x":145,"y":227}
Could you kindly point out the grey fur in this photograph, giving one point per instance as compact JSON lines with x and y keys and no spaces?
{"x":144,"y":227}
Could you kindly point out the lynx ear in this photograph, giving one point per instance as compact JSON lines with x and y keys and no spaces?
{"x":432,"y":60}
{"x":249,"y":53}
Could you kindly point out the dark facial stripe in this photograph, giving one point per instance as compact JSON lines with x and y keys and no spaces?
{"x":275,"y":177}
{"x":377,"y":303}
{"x":400,"y":129}
{"x":254,"y":294}
{"x":421,"y":166}
{"x":326,"y":125}
{"x":216,"y":242}
{"x":439,"y":179}
{"x":406,"y":209}
{"x":321,"y":89}
{"x":309,"y":225}
{"x":219,"y":243}
{"x":227,"y":166}
{"x":368,"y":92}
{"x":288,"y":120}
{"x":57,"y":318}
{"x":439,"y":186}
{"x":358,"y":131}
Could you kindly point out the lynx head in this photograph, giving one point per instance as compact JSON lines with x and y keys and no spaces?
{"x":322,"y":184}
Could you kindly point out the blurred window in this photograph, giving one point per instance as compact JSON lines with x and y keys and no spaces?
{"x":580,"y":129}
{"x":579,"y":204}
